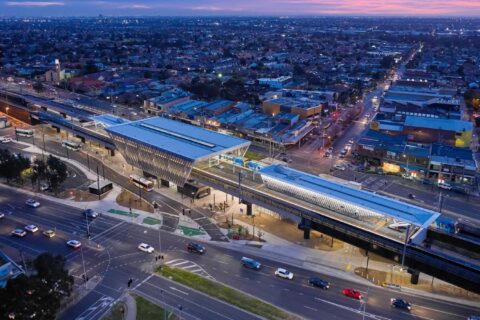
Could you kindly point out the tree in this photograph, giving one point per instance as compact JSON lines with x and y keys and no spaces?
{"x":12,"y":165}
{"x":39,"y":171}
{"x":37,"y":296}
{"x":56,"y":172}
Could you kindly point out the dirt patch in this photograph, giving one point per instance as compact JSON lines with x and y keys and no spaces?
{"x":129,"y":200}
{"x":79,"y":195}
{"x":403,"y":279}
{"x":238,"y":232}
{"x":288,"y":230}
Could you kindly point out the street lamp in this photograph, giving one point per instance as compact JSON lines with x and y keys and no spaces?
{"x":6,"y":109}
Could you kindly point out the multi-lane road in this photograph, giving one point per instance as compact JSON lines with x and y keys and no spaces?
{"x":112,"y":258}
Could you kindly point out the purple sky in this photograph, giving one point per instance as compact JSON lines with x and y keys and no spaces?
{"x":240,"y":7}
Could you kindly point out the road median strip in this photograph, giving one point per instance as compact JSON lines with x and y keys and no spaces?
{"x":226,"y":294}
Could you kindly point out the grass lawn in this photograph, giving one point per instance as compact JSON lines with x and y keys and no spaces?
{"x":226,"y":294}
{"x":254,"y":156}
{"x":147,"y":310}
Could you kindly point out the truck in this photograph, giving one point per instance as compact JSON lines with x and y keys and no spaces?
{"x":251,"y":263}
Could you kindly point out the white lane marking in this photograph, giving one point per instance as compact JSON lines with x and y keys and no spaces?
{"x":179,"y":263}
{"x":313,"y":309}
{"x":190,"y":266}
{"x":365,"y":314}
{"x":452,"y":314}
{"x":108,"y":230}
{"x":196,"y":270}
{"x":417,"y":316}
{"x":172,"y":261}
{"x":222,"y":262}
{"x":178,"y":290}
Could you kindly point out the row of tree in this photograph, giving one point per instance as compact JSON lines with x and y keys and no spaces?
{"x":15,"y":167}
{"x":38,"y":294}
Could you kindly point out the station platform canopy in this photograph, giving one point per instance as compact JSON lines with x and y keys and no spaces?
{"x":169,"y":149}
{"x":343,"y":198}
{"x":108,"y":120}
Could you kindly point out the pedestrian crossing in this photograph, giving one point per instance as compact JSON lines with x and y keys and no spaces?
{"x":189,"y":266}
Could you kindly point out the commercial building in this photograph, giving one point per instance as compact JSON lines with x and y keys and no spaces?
{"x":304,"y":107}
{"x":275,"y":83}
{"x":162,"y":103}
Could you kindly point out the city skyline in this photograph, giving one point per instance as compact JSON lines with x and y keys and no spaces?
{"x":245,"y":8}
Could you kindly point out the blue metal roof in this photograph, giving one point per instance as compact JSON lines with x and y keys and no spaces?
{"x":180,"y":139}
{"x":438,"y":123}
{"x":376,"y":203}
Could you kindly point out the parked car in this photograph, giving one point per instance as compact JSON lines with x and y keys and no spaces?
{"x":407,"y":176}
{"x":19,"y":233}
{"x":90,"y":213}
{"x":74,"y":243}
{"x":352,"y":293}
{"x":340,"y":167}
{"x":49,"y":233}
{"x":284,"y":273}
{"x":44,"y":187}
{"x":31,"y":228}
{"x":400,"y":303}
{"x":195,"y":247}
{"x":2,"y":215}
{"x":5,"y":139}
{"x":317,"y":282}
{"x":146,"y":248}
{"x":32,"y":203}
{"x":250,"y":263}
{"x":444,"y":185}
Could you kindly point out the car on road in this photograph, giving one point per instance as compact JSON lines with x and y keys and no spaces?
{"x":146,"y":248}
{"x":74,"y":243}
{"x":317,"y":282}
{"x":407,"y":176}
{"x":90,"y":213}
{"x":19,"y":233}
{"x":32,"y":203}
{"x":5,"y":139}
{"x":250,"y":263}
{"x":49,"y":233}
{"x":344,"y":152}
{"x":352,"y":293}
{"x":340,"y":167}
{"x":195,"y":247}
{"x":444,"y":185}
{"x":284,"y":273}
{"x":31,"y":228}
{"x":400,"y":303}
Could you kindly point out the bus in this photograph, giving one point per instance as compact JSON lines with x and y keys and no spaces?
{"x":141,"y":182}
{"x":24,"y":132}
{"x":72,"y":145}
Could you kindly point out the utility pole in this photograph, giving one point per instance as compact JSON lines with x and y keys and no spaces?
{"x":88,"y":225}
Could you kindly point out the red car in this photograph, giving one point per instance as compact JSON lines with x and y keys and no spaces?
{"x":352,"y":293}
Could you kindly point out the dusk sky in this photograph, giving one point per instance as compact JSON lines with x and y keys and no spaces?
{"x":240,"y":7}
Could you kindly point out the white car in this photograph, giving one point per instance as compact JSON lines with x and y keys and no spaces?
{"x":31,"y":228}
{"x":445,"y":186}
{"x":2,"y":215}
{"x":284,"y":273}
{"x":145,"y":248}
{"x":19,"y":233}
{"x":74,"y":243}
{"x":44,"y":187}
{"x":340,"y":167}
{"x":32,"y":203}
{"x":5,"y":139}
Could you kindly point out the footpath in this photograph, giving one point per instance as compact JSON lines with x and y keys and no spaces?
{"x":343,"y":261}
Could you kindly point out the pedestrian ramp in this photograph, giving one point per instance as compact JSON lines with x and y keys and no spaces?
{"x":189,"y":266}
